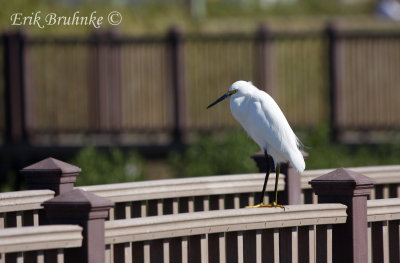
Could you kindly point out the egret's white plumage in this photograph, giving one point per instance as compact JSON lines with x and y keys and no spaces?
{"x":264,"y":121}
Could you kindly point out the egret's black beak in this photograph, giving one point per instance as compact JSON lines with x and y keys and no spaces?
{"x":226,"y":95}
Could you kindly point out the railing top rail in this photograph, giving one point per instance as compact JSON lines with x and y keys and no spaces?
{"x":147,"y":228}
{"x":40,"y":238}
{"x":24,"y":200}
{"x":383,"y":174}
{"x":223,"y":184}
{"x":383,"y":209}
{"x":184,"y":187}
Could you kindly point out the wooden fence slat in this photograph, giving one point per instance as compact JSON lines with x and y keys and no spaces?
{"x":40,"y":257}
{"x":60,"y":255}
{"x":222,"y":247}
{"x":240,"y":248}
{"x":385,"y":238}
{"x":329,"y":243}
{"x":185,"y":250}
{"x":166,"y":256}
{"x":146,"y":252}
{"x":128,"y":252}
{"x":369,"y":242}
{"x":276,"y":245}
{"x":175,"y":206}
{"x":259,"y":246}
{"x":394,"y":241}
{"x":191,"y":205}
{"x":2,"y":225}
{"x":236,"y":201}
{"x":221,"y":202}
{"x":108,"y":255}
{"x":204,"y":248}
{"x":159,"y":207}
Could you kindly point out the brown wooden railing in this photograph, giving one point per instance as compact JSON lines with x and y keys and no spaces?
{"x":200,"y":219}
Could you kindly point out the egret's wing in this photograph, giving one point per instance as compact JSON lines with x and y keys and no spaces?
{"x":269,"y":127}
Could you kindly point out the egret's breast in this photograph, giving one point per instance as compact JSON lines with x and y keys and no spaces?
{"x":240,"y":108}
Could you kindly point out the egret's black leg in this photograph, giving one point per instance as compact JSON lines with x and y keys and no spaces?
{"x":278,"y":170}
{"x":266,"y":179}
{"x":275,"y":202}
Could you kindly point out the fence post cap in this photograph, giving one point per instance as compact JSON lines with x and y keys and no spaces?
{"x":342,"y":182}
{"x":51,"y":174}
{"x":51,"y":166}
{"x":77,"y":204}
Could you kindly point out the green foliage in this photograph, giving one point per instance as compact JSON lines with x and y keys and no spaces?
{"x":113,"y":166}
{"x":323,"y":153}
{"x":215,"y":154}
{"x":230,"y":153}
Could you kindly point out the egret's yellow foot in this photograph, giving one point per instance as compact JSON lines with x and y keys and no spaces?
{"x":274,"y":204}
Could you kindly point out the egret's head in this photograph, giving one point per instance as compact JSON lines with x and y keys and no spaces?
{"x":238,"y":88}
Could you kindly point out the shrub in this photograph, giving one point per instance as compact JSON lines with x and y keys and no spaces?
{"x":106,"y":167}
{"x":215,"y":154}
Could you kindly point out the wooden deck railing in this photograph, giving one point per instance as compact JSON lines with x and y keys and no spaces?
{"x":236,"y":235}
{"x":29,"y":244}
{"x":166,"y":232}
{"x":383,"y":230}
{"x":21,"y":208}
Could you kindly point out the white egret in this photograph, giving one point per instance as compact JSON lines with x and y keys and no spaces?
{"x":264,"y":121}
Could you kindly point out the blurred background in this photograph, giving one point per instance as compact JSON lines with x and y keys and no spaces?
{"x":128,"y":102}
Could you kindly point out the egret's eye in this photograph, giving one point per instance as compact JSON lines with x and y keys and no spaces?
{"x":232,"y":92}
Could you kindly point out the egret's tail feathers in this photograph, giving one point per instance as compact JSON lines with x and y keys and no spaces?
{"x":298,"y":162}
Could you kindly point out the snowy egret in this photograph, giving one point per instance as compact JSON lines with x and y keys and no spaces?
{"x":264,"y":121}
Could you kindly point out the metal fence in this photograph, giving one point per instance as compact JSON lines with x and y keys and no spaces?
{"x":111,"y":84}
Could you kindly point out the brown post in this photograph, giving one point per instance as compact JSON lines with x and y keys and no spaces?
{"x":177,"y":48}
{"x":104,"y":81}
{"x":336,"y":67}
{"x":87,"y":210}
{"x":14,"y":77}
{"x":51,"y":174}
{"x":349,"y":240}
{"x":292,"y":192}
{"x":265,"y":60}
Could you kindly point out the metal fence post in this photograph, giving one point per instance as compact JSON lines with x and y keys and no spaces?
{"x":87,"y":210}
{"x":349,"y":240}
{"x":178,"y":68}
{"x":14,"y":76}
